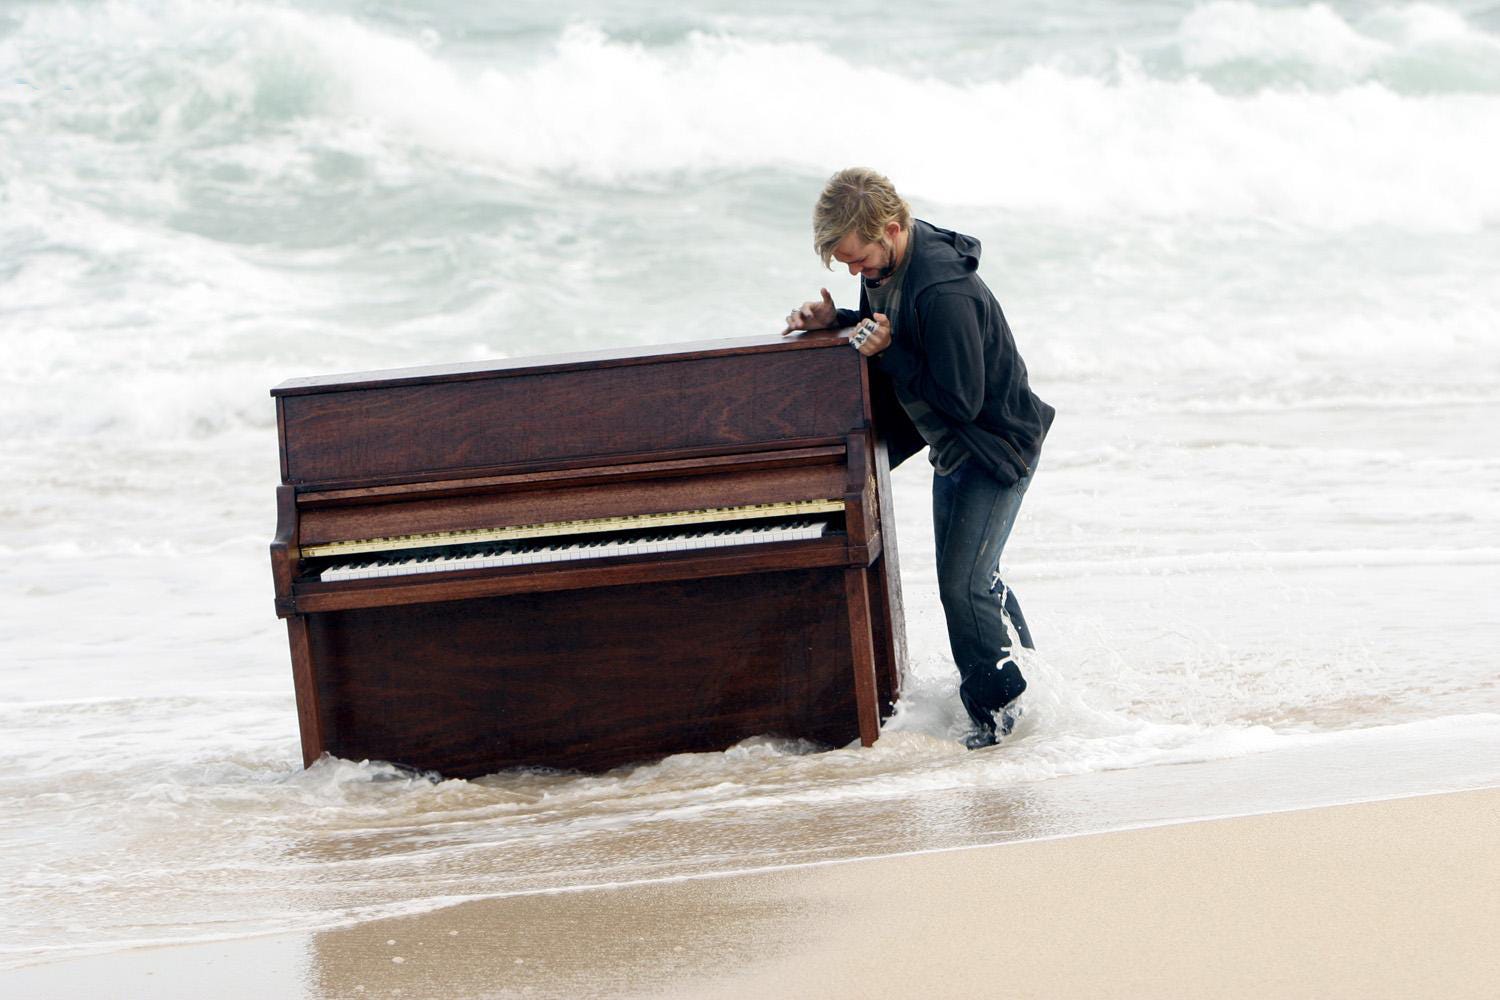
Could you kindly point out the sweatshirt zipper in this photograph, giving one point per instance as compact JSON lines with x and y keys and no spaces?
{"x":1025,"y":469}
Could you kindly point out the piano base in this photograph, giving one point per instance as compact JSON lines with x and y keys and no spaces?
{"x":595,"y":678}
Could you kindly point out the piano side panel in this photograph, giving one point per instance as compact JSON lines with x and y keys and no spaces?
{"x":588,"y":679}
{"x":711,"y":403}
{"x":281,"y":438}
{"x":889,"y":648}
{"x":887,"y":608}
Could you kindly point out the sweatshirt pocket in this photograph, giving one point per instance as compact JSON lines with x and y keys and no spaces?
{"x":1022,"y":468}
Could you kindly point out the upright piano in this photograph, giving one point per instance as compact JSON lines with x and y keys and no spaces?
{"x":586,"y":560}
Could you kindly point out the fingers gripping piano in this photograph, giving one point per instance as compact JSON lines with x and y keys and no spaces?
{"x":587,"y":560}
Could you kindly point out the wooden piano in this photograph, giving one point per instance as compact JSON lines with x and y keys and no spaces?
{"x":582,"y":561}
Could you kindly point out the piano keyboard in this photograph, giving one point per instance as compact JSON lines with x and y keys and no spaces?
{"x":583,"y":526}
{"x":496,"y":554}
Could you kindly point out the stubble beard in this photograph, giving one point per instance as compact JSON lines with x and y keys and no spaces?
{"x":890,"y":262}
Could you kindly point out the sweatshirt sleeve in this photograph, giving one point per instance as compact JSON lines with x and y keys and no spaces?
{"x":949,"y":374}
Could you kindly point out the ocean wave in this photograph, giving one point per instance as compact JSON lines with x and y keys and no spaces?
{"x":1414,"y":48}
{"x":250,"y":191}
{"x":228,"y":81}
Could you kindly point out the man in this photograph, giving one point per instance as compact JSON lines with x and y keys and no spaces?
{"x":928,"y":322}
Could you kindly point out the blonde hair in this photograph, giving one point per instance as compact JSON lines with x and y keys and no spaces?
{"x":856,"y":200}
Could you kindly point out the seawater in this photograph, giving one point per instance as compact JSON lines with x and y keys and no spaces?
{"x":1248,"y":250}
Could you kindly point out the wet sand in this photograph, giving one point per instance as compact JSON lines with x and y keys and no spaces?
{"x":1389,"y":899}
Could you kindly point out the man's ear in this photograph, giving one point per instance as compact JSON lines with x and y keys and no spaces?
{"x":891,"y":229}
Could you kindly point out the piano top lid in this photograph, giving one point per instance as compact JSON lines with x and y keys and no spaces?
{"x":612,"y":358}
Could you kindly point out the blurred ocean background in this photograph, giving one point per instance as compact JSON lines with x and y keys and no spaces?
{"x":1249,"y":250}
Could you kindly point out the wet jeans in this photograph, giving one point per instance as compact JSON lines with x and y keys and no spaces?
{"x":972,"y":514}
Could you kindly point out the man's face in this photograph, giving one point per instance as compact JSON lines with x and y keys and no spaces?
{"x":867,"y":260}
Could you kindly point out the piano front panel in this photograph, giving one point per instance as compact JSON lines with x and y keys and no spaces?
{"x":493,"y":510}
{"x":469,"y":687}
{"x":523,"y":418}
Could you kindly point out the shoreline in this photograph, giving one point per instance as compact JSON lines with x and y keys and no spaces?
{"x":1394,"y":897}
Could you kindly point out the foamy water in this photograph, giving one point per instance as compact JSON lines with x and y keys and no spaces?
{"x":1249,"y":253}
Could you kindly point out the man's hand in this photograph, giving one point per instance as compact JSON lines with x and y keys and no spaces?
{"x":812,"y":315}
{"x":872,"y":335}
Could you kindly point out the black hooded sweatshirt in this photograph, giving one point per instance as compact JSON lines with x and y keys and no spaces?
{"x":954,"y":349}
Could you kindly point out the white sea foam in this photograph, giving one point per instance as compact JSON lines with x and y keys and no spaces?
{"x":1046,"y":141}
{"x":611,"y":111}
{"x":1420,"y":46}
{"x":1225,"y":31}
{"x":221,"y":115}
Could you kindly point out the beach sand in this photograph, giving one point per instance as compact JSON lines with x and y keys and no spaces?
{"x":1399,"y":898}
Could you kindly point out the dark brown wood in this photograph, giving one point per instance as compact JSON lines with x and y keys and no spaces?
{"x":596,"y":663}
{"x":471,"y":687}
{"x":853,"y":487}
{"x":862,"y":654}
{"x":545,"y":364}
{"x":867,"y":554}
{"x":281,"y":436}
{"x":584,"y":476}
{"x":497,"y":510}
{"x":305,"y":684}
{"x":586,"y":464}
{"x":599,"y":414}
{"x":284,"y":548}
{"x":618,"y":572}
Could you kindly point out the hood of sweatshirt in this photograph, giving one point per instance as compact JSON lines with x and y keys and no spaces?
{"x":939,"y":256}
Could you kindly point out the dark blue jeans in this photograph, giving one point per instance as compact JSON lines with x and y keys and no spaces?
{"x":972,"y":514}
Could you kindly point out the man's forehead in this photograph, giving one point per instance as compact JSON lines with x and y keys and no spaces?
{"x":853,"y":246}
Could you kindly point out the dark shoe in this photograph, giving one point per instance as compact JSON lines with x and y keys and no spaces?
{"x":1009,"y":715}
{"x":988,"y":736}
{"x":980,"y":738}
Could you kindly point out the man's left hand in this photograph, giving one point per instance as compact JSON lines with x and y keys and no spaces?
{"x":879,"y":337}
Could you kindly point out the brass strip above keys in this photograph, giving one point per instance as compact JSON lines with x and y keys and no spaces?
{"x":589,"y":525}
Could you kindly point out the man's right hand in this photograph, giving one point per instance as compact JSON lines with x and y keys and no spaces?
{"x":812,"y":315}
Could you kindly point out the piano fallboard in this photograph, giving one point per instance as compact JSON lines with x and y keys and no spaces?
{"x":377,"y":515}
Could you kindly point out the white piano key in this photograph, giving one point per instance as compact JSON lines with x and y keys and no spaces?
{"x":556,"y":551}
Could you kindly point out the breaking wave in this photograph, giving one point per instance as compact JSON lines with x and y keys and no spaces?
{"x":1393,"y":121}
